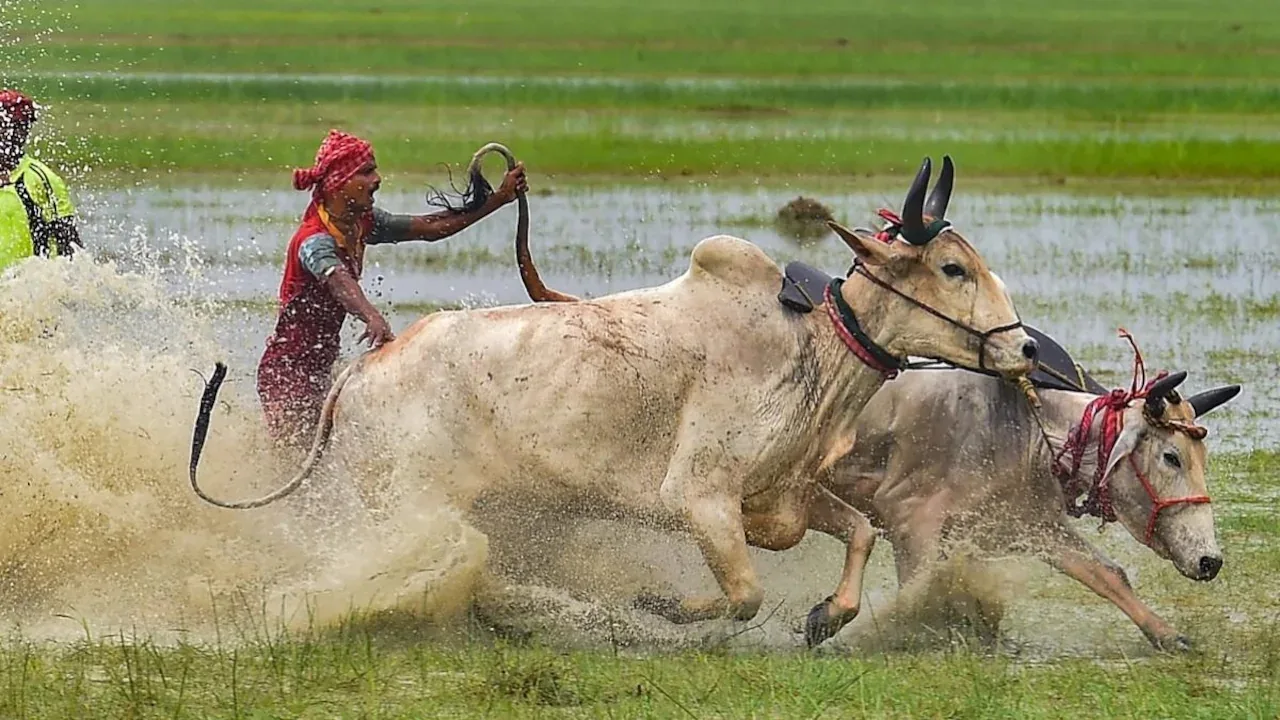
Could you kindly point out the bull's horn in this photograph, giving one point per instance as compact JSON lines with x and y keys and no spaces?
{"x":1210,"y":399}
{"x":936,"y":207}
{"x":913,"y":209}
{"x":1161,"y":387}
{"x":1160,"y":390}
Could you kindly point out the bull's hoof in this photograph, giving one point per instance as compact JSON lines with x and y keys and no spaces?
{"x":661,"y":605}
{"x":1176,"y":644}
{"x":823,"y":623}
{"x":1173,"y":642}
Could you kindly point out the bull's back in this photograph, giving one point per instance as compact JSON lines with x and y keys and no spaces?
{"x":584,"y":394}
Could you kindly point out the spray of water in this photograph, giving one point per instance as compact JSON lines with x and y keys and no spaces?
{"x":97,"y":525}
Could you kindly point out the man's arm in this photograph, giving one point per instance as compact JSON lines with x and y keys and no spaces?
{"x":65,"y":236}
{"x":438,"y":226}
{"x":319,"y":256}
{"x":60,"y":212}
{"x":345,"y":288}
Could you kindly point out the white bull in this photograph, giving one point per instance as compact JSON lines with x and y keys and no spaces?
{"x":702,"y":403}
{"x":946,"y":456}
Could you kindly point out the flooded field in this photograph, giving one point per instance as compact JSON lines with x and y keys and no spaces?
{"x":1193,"y":280}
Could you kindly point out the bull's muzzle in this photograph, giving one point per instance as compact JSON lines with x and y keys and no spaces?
{"x":1209,"y":567}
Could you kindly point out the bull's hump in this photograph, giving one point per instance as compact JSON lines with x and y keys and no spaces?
{"x":734,"y":261}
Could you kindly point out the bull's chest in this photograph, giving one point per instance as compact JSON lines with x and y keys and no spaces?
{"x":791,"y":478}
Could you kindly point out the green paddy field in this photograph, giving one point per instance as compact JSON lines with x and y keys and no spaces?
{"x":1148,"y":92}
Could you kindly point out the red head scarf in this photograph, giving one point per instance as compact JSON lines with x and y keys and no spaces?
{"x":18,"y":107}
{"x":340,"y":156}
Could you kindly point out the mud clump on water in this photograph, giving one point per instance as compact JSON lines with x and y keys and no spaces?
{"x":98,"y":526}
{"x":803,"y":219}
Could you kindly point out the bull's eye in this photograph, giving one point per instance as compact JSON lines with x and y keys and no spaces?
{"x":1172,"y":458}
{"x":953,"y":270}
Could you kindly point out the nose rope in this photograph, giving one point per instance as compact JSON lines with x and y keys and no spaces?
{"x":1111,"y":407}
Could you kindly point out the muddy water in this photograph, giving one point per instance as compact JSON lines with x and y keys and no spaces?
{"x":98,"y":399}
{"x":97,"y":525}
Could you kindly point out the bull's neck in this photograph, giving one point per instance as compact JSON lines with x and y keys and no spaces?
{"x":879,"y":312}
{"x":1060,"y":412}
{"x":846,"y":383}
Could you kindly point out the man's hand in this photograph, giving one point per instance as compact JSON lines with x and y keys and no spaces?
{"x":514,"y":182}
{"x":348,"y":292}
{"x":377,"y":332}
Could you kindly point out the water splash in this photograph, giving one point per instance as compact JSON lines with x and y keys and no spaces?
{"x":97,"y":524}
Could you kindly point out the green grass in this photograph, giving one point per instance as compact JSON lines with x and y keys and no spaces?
{"x":1106,"y":100}
{"x":356,"y":673}
{"x":193,"y":136}
{"x":927,"y":38}
{"x":1136,"y":91}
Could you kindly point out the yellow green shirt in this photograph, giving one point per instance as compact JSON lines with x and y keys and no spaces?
{"x":48,"y":193}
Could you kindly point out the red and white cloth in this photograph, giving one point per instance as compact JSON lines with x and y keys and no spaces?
{"x":340,"y":156}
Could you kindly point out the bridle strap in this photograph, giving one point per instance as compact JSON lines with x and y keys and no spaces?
{"x":1158,"y":505}
{"x":850,"y":331}
{"x":983,"y":337}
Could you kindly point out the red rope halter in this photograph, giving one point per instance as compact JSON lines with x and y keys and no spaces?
{"x":1111,"y":407}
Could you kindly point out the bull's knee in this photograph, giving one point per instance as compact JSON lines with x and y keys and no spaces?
{"x":862,"y":536}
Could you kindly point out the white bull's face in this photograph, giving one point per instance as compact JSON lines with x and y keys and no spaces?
{"x":939,"y":298}
{"x":1174,"y":465}
{"x":948,"y":276}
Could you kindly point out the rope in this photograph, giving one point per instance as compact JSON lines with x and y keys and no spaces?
{"x":1111,"y":408}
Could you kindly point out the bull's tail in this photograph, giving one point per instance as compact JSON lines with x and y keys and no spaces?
{"x":528,"y":273}
{"x":318,"y":446}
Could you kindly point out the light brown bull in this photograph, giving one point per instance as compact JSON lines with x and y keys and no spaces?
{"x":952,"y":456}
{"x":701,"y":404}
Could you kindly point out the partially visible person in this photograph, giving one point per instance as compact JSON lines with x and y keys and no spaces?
{"x":36,"y":213}
{"x":322,"y":267}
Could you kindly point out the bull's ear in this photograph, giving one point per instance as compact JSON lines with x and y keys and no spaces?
{"x":1124,"y":446}
{"x":868,"y":248}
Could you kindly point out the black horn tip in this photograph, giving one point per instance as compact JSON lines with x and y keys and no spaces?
{"x":936,"y":206}
{"x":913,"y":207}
{"x":1164,"y":385}
{"x":1206,"y":401}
